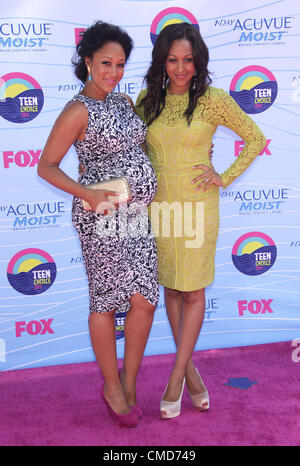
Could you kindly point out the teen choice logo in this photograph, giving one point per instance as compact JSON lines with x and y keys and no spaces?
{"x":254,"y":253}
{"x":254,"y":88}
{"x":21,"y":97}
{"x":31,"y":271}
{"x":170,"y":16}
{"x":120,"y":322}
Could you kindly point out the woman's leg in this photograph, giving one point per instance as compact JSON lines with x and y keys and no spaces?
{"x":191,"y":319}
{"x":137,"y":328}
{"x":102,"y":332}
{"x":173,"y":301}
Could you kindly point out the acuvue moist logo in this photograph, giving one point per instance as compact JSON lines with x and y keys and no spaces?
{"x":24,"y":36}
{"x":31,"y":271}
{"x":258,"y":31}
{"x":21,"y":97}
{"x":254,"y":88}
{"x":171,"y":16}
{"x":35,"y":215}
{"x":259,"y":201}
{"x":254,"y":253}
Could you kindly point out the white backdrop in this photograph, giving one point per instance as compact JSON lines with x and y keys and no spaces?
{"x":254,"y":55}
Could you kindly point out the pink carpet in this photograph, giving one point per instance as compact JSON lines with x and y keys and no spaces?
{"x":61,"y":405}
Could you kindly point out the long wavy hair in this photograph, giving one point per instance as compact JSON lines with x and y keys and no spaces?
{"x":154,"y":101}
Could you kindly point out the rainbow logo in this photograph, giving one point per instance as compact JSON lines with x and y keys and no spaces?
{"x":21,"y":97}
{"x":31,"y":271}
{"x":170,"y":16}
{"x":254,"y":88}
{"x":254,"y":253}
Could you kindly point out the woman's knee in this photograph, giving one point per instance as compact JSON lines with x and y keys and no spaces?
{"x":138,"y":301}
{"x":172,"y":294}
{"x":193,"y":297}
{"x":96,"y":316}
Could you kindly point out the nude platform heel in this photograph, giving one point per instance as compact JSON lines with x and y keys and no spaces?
{"x":170,"y":409}
{"x":200,"y":400}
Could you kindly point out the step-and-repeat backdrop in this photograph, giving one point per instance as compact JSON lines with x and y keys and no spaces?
{"x":254,"y":56}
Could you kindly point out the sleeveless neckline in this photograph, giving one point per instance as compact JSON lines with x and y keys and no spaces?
{"x":94,"y":100}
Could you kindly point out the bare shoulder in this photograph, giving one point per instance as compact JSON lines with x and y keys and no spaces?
{"x":71,"y":122}
{"x":75,"y":108}
{"x":74,"y":113}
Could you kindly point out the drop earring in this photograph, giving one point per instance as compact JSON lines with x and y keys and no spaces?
{"x":164,"y":79}
{"x":194,"y":82}
{"x":89,"y":73}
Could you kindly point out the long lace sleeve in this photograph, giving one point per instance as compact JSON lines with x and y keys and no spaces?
{"x":228,"y":113}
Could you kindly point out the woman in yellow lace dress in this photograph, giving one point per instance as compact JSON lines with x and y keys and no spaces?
{"x":182,"y":112}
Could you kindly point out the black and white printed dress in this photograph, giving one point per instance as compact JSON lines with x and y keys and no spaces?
{"x":119,"y":251}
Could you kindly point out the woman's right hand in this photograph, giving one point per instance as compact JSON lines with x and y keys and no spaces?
{"x":101,"y":202}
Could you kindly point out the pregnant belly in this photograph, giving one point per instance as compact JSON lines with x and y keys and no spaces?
{"x":133,"y":165}
{"x":142,"y":182}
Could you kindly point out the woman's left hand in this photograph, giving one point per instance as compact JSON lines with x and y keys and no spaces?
{"x":207,"y":178}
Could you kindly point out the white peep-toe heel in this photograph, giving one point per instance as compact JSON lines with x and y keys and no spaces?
{"x":170,"y":409}
{"x":200,"y":400}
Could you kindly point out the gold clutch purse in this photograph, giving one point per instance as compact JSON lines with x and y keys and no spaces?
{"x":119,"y":185}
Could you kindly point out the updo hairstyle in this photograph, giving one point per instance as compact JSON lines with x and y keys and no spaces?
{"x":93,"y":39}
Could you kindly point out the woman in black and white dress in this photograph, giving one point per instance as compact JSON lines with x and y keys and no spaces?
{"x":119,"y":250}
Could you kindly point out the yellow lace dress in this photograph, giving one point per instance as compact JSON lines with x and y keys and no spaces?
{"x":185,"y":221}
